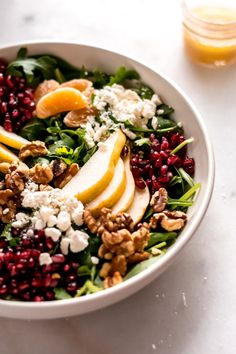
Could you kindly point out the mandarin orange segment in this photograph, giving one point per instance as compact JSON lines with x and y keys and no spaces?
{"x":61,"y":100}
{"x":79,"y":84}
{"x":45,"y":87}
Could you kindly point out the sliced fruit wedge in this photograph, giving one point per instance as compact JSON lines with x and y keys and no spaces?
{"x":12,"y":139}
{"x":139,"y":205}
{"x":112,"y":192}
{"x":60,"y":100}
{"x":127,"y":197}
{"x":6,"y":155}
{"x":97,"y":172}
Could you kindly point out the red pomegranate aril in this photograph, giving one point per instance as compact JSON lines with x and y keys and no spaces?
{"x":36,"y":283}
{"x":47,"y":280}
{"x":163,"y":170}
{"x":136,"y":171}
{"x":70,"y":278}
{"x":2,"y":80}
{"x":8,"y":125}
{"x":163,"y":180}
{"x":174,"y":160}
{"x":58,"y":258}
{"x":25,"y":254}
{"x":31,"y":106}
{"x":14,"y":283}
{"x":164,"y":144}
{"x":13,"y":271}
{"x":164,"y":155}
{"x":26,"y":296}
{"x":3,"y":289}
{"x":156,"y":146}
{"x":50,"y":295}
{"x":66,"y":268}
{"x":38,"y":298}
{"x":54,"y":283}
{"x":9,"y":82}
{"x":169,"y":175}
{"x":154,"y":156}
{"x":3,"y":243}
{"x":49,"y":243}
{"x":15,"y":114}
{"x":158,"y":163}
{"x":26,"y":100}
{"x":148,"y":182}
{"x":155,"y":185}
{"x":35,"y":253}
{"x":134,"y":161}
{"x":4,"y":107}
{"x":23,"y":286}
{"x":71,"y":287}
{"x":189,"y":165}
{"x":139,"y":182}
{"x":2,"y":280}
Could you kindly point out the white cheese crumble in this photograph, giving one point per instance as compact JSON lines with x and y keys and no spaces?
{"x":56,"y":213}
{"x":117,"y":105}
{"x":45,"y":259}
{"x":94,"y":260}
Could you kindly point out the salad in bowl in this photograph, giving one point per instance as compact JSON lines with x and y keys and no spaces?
{"x":97,"y":177}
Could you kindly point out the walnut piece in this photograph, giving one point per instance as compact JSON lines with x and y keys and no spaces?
{"x":66,"y":176}
{"x":41,"y":174}
{"x":34,"y":149}
{"x":7,"y":213}
{"x":169,"y":220}
{"x":159,"y":200}
{"x":141,"y":237}
{"x":5,"y":196}
{"x":15,"y":182}
{"x":58,"y":167}
{"x":110,"y":281}
{"x":138,"y":257}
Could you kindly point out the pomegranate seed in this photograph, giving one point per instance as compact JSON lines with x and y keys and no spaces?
{"x":164,"y":155}
{"x":38,"y":298}
{"x":164,"y":144}
{"x":2,"y":79}
{"x":70,"y":278}
{"x":4,"y":107}
{"x":58,"y":258}
{"x":163,"y":170}
{"x":49,"y":243}
{"x":188,"y":165}
{"x":158,"y":162}
{"x":139,"y":182}
{"x":71,"y":287}
{"x":174,"y":160}
{"x":36,"y":283}
{"x":66,"y":268}
{"x":136,"y":171}
{"x":156,"y":146}
{"x":50,"y":295}
{"x":154,"y":156}
{"x":8,"y":125}
{"x":26,"y":296}
{"x":15,"y":114}
{"x":23,"y":286}
{"x":3,"y":289}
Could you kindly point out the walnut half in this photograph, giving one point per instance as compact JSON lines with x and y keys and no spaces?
{"x":169,"y":220}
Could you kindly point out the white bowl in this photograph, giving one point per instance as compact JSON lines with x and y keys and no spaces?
{"x":201,"y":150}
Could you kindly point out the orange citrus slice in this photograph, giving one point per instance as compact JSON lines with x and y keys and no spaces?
{"x":45,"y":87}
{"x":78,"y":84}
{"x":61,"y":100}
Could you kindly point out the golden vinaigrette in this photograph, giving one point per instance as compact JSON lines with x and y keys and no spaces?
{"x":210,"y":33}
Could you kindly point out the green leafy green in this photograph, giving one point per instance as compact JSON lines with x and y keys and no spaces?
{"x":13,"y":241}
{"x":123,"y":74}
{"x":156,"y":237}
{"x":140,"y":267}
{"x":88,"y":288}
{"x":61,"y":294}
{"x":167,"y":110}
{"x":145,"y":92}
{"x":33,"y":130}
{"x":142,"y":141}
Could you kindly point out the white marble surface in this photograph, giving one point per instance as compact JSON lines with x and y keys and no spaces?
{"x":191,"y":308}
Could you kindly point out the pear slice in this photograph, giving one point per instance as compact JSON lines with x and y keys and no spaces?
{"x":12,"y":139}
{"x":127,"y":197}
{"x":139,"y":205}
{"x":97,"y":172}
{"x":6,"y":155}
{"x":112,"y":192}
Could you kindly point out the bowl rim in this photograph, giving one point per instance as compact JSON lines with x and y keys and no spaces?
{"x":163,"y":262}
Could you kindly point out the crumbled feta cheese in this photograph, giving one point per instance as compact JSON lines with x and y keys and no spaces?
{"x":46,"y":212}
{"x":160,"y":112}
{"x":154,"y":122}
{"x":45,"y":259}
{"x":156,"y":100}
{"x":94,"y":260}
{"x":63,"y":220}
{"x":77,"y":216}
{"x":64,"y":245}
{"x":52,"y":221}
{"x":39,"y":224}
{"x":78,"y":241}
{"x":30,"y":233}
{"x":53,"y":233}
{"x":129,"y":134}
{"x":22,"y":220}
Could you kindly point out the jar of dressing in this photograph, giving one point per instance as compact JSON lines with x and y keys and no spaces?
{"x":209,"y":31}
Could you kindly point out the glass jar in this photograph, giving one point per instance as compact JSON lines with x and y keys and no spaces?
{"x":209,"y":31}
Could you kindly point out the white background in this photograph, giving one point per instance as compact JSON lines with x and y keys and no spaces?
{"x":191,"y":308}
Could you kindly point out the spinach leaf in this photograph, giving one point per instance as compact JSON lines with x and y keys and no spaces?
{"x":145,"y":92}
{"x":13,"y":241}
{"x":61,"y":294}
{"x":140,"y":267}
{"x":156,"y":237}
{"x":167,"y":110}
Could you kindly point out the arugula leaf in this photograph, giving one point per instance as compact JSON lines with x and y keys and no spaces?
{"x":156,"y":237}
{"x":33,"y":130}
{"x":61,"y":294}
{"x":123,"y":74}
